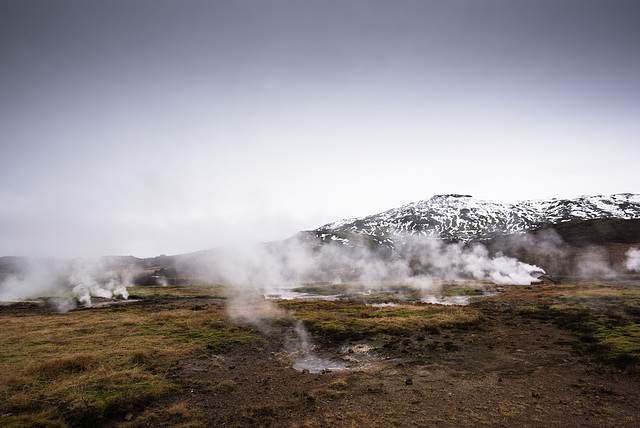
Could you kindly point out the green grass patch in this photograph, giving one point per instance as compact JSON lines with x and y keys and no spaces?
{"x":344,"y":319}
{"x":457,"y":290}
{"x":179,"y":291}
{"x":606,"y":322}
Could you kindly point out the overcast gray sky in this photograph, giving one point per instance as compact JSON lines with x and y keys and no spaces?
{"x":150,"y":126}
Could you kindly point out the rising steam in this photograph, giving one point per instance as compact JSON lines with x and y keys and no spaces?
{"x":592,"y":262}
{"x":66,"y":282}
{"x":260,"y":269}
{"x":411,"y":259}
{"x":633,"y":260}
{"x":89,"y":277}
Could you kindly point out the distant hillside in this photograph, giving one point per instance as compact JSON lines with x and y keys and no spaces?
{"x":596,"y":248}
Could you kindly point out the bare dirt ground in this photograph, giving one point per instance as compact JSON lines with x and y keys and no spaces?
{"x":508,"y":371}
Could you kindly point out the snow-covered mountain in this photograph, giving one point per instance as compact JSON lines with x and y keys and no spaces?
{"x":464,"y":218}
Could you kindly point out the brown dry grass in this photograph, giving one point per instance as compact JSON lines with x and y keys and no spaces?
{"x":93,"y":367}
{"x":84,"y":367}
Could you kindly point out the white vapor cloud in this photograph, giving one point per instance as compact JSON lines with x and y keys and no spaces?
{"x":64,"y":282}
{"x":415,"y":259}
{"x":633,"y":260}
{"x":592,"y":262}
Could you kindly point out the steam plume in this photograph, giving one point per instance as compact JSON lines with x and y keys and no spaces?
{"x":593,"y":263}
{"x":65,"y":282}
{"x":411,"y":259}
{"x":633,"y":260}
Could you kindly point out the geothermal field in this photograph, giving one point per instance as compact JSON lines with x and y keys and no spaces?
{"x":319,"y":213}
{"x":277,"y":340}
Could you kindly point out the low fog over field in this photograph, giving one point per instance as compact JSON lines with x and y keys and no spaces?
{"x":265,"y":268}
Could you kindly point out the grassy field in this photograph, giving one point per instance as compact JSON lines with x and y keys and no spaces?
{"x":343,"y":320}
{"x":605,"y":319}
{"x":86,"y":365}
{"x":89,"y":367}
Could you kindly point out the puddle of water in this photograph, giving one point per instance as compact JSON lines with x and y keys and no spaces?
{"x":447,"y":300}
{"x":454,"y":300}
{"x":316,"y":364}
{"x":293,"y":291}
{"x":287,"y":292}
{"x":292,"y":295}
{"x":11,"y":302}
{"x":112,"y":302}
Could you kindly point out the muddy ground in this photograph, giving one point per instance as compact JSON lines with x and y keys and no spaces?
{"x":509,"y":370}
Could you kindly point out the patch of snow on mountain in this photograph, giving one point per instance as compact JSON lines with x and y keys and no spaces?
{"x":463,"y":217}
